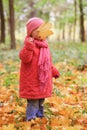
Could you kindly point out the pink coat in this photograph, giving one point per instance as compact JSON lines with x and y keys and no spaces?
{"x":29,"y":82}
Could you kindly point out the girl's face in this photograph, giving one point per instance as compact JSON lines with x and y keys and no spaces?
{"x":35,"y":35}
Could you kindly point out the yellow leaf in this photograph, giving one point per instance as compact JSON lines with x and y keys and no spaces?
{"x":9,"y":127}
{"x":45,"y":30}
{"x":77,"y":127}
{"x":20,"y":109}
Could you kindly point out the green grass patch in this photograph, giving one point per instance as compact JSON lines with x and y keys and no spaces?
{"x":11,"y":79}
{"x":71,"y":53}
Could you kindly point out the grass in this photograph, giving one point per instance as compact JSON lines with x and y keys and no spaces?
{"x":71,"y":53}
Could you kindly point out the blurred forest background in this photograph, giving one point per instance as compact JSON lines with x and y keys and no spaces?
{"x":67,"y":108}
{"x":69,"y":18}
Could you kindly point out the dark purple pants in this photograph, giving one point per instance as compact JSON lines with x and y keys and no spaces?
{"x":34,"y":109}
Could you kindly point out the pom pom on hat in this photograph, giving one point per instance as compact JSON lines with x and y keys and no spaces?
{"x":33,"y":24}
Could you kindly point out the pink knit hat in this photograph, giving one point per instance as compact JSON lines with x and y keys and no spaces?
{"x":32,"y":24}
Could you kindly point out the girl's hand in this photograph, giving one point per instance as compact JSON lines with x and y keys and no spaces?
{"x":30,"y":39}
{"x":35,"y":35}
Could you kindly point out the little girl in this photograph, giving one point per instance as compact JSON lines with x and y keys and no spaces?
{"x":36,"y":70}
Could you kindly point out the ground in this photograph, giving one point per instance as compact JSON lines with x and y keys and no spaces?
{"x":66,"y":109}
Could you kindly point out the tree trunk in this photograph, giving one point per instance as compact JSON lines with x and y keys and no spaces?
{"x":33,"y":11}
{"x":75,"y":16}
{"x":12,"y":24}
{"x":2,"y":22}
{"x":70,"y":32}
{"x":82,"y":30}
{"x":63,"y":33}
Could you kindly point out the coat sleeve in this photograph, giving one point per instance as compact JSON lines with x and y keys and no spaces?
{"x":26,"y":53}
{"x":55,"y":72}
